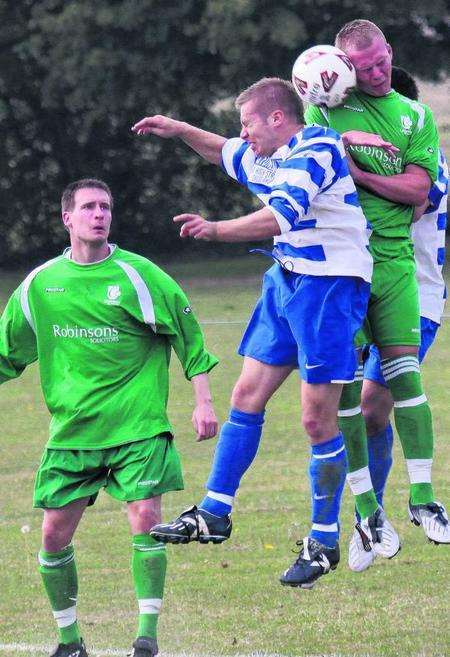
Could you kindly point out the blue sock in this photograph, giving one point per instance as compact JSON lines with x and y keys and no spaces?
{"x":327,"y":471}
{"x":235,"y":451}
{"x":380,"y":461}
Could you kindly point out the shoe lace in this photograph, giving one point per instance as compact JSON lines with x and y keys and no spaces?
{"x":438,"y":509}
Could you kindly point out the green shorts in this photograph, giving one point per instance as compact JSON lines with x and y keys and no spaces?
{"x":135,"y":471}
{"x":393,"y":316}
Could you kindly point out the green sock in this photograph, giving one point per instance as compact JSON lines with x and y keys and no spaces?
{"x":149,"y":572}
{"x":351,"y":423}
{"x":413,"y":423}
{"x":59,"y":575}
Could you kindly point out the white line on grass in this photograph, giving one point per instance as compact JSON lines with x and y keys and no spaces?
{"x":14,"y":648}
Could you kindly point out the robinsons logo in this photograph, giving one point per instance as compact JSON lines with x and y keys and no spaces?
{"x":95,"y":334}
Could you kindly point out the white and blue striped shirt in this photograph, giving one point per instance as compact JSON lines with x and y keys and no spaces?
{"x":307,"y":186}
{"x":428,"y":235}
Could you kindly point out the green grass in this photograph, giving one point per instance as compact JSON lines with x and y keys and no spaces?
{"x":226,"y":600}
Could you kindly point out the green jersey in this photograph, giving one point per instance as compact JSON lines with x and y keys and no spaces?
{"x":409,"y":126}
{"x":103,"y":334}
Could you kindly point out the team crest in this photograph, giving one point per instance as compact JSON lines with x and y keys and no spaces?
{"x":406,"y":124}
{"x":113,"y":295}
{"x":263,"y":171}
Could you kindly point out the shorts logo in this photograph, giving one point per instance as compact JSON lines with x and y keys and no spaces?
{"x":113,"y":295}
{"x":187,"y":310}
{"x":311,"y":367}
{"x":406,"y":124}
{"x":55,"y":289}
{"x":148,"y":482}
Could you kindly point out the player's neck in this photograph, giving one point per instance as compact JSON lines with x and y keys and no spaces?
{"x":86,"y":252}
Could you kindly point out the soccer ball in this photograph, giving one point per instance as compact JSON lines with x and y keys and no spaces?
{"x":323,"y":75}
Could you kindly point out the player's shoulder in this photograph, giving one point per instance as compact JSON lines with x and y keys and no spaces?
{"x":419,"y":113}
{"x":320,"y":132}
{"x":49,"y":267}
{"x":134,"y":263}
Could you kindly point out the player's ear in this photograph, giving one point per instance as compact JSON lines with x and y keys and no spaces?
{"x":277,"y":117}
{"x":66,"y":220}
{"x":389,"y":49}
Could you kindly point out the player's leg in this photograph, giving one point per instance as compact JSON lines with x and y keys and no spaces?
{"x":270,"y":354}
{"x":64,"y":499}
{"x":397,"y":333}
{"x":139,"y":473}
{"x":235,"y":451}
{"x":148,"y":566}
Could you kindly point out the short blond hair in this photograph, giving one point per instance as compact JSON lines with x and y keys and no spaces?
{"x":358,"y":34}
{"x":273,"y":94}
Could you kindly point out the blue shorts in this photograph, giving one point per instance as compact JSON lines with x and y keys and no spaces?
{"x":372,"y":365}
{"x":308,"y":322}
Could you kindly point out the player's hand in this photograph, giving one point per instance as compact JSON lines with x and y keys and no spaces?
{"x":193,"y":225}
{"x":204,"y":421}
{"x":360,"y":138}
{"x":353,"y":168}
{"x":162,"y":126}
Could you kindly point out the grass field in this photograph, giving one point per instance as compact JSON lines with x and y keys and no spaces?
{"x":226,"y":600}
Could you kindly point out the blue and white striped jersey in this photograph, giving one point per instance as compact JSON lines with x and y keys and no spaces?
{"x":428,"y":235}
{"x":307,"y":185}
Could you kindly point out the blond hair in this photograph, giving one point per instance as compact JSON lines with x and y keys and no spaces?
{"x":273,"y":94}
{"x":358,"y":34}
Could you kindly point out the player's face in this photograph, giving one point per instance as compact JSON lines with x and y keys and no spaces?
{"x":90,"y":219}
{"x":257,"y":129}
{"x":373,"y":67}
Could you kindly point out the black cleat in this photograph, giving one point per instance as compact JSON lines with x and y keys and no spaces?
{"x":76,"y":649}
{"x":144,"y":646}
{"x":314,"y":561}
{"x":194,"y":525}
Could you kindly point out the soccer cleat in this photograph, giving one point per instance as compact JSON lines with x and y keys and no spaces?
{"x":314,"y":561}
{"x":77,"y":649}
{"x":434,"y":520}
{"x":144,"y":646}
{"x":360,"y":553}
{"x":380,"y":534}
{"x":194,"y":525}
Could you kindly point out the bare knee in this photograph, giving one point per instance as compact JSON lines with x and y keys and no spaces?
{"x":246,"y":396}
{"x":376,"y":405}
{"x":56,"y":534}
{"x":144,"y":514}
{"x":318,"y":423}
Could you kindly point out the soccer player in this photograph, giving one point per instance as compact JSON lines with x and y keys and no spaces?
{"x":389,"y":188}
{"x":313,"y":301}
{"x":102,"y":321}
{"x":428,"y":234}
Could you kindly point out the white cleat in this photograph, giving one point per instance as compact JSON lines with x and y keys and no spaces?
{"x":360,"y":553}
{"x":434,"y":520}
{"x":380,"y":533}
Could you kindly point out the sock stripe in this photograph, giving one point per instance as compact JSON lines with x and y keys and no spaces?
{"x":220,"y":497}
{"x":349,"y":412}
{"x":55,"y":563}
{"x":360,"y":481}
{"x":400,"y":371}
{"x":414,"y":401}
{"x":150,"y":605}
{"x":325,"y":528}
{"x":148,"y":548}
{"x":419,"y":470}
{"x":329,"y":455}
{"x":65,"y":617}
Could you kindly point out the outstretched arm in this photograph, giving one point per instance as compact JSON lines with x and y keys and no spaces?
{"x":258,"y":225}
{"x":207,"y":144}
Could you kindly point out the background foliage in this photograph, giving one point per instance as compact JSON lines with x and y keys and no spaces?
{"x":75,"y":76}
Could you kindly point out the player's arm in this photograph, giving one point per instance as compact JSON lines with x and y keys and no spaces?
{"x":258,"y":225}
{"x":204,"y":418}
{"x":409,"y":188}
{"x":207,"y":144}
{"x":175,"y":319}
{"x":18,"y":346}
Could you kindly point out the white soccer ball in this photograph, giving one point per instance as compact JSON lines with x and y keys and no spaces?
{"x":323,"y":75}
